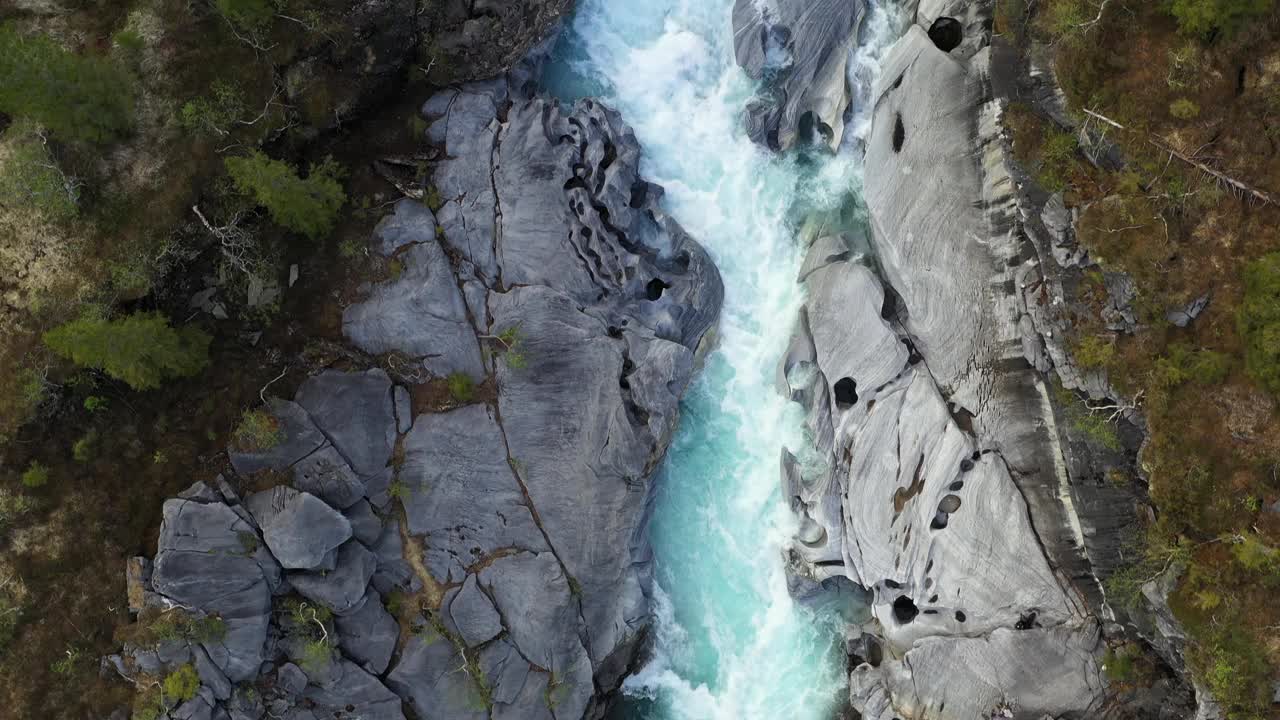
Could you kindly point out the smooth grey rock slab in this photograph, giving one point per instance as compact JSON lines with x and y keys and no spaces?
{"x":300,"y":529}
{"x":412,"y":222}
{"x":421,"y":313}
{"x":519,"y":691}
{"x":342,"y":588}
{"x":800,"y":50}
{"x":462,"y":496}
{"x":291,"y":679}
{"x":326,"y":474}
{"x":203,"y":562}
{"x":354,"y":411}
{"x":473,"y":614}
{"x":211,"y":676}
{"x":366,"y":526}
{"x":532,"y":595}
{"x":431,"y":675}
{"x":352,"y":692}
{"x":393,"y":570}
{"x":368,"y":635}
{"x":300,"y":437}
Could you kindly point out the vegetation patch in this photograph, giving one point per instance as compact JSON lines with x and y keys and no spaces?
{"x":307,"y":205}
{"x":258,"y":431}
{"x":141,"y":349}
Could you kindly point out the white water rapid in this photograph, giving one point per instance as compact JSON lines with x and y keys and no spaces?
{"x":730,"y":642}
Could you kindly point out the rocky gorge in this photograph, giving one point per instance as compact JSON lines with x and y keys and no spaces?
{"x":389,"y":554}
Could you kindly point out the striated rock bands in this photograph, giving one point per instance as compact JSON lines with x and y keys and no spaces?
{"x":800,"y":51}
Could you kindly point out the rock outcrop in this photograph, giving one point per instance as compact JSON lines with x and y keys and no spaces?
{"x":800,"y":52}
{"x":943,"y":484}
{"x":486,"y":558}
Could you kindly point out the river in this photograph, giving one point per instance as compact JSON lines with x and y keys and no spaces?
{"x":730,"y":642}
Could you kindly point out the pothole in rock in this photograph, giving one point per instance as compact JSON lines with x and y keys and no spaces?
{"x":653,"y":291}
{"x":949,"y":504}
{"x":946,"y":33}
{"x":960,"y":616}
{"x":899,"y":134}
{"x":904,"y":610}
{"x":846,"y":392}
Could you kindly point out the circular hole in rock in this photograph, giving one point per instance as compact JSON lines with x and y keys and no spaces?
{"x":949,"y":504}
{"x":899,"y":134}
{"x":956,"y":486}
{"x":946,"y":33}
{"x":960,"y":616}
{"x":654,"y":289}
{"x":904,"y":610}
{"x":846,"y":391}
{"x":939,"y":521}
{"x":966,"y":465}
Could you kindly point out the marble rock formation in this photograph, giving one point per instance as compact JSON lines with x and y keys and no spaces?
{"x":483,"y":558}
{"x":800,"y":51}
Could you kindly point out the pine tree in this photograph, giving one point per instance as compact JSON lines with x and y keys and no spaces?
{"x":308,"y":206}
{"x":140,"y":349}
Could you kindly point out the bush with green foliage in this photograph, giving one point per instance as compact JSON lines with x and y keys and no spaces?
{"x":306,"y":205}
{"x":31,"y":177}
{"x":258,"y":431}
{"x":182,"y":684}
{"x":1184,"y":109}
{"x":252,"y":15}
{"x":36,"y":475}
{"x":215,"y":113}
{"x":1182,"y":364}
{"x":1211,"y":17}
{"x":1259,"y":320}
{"x":1057,"y":158}
{"x":461,"y":387}
{"x":140,"y":349}
{"x":77,"y":97}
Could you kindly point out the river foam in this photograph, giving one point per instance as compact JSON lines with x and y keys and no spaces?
{"x":730,"y":642}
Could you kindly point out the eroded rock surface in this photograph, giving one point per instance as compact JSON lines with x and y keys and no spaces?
{"x":483,"y":558}
{"x":800,"y":51}
{"x":944,"y":494}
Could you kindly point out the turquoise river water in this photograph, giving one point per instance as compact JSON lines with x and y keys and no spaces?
{"x":730,"y":643}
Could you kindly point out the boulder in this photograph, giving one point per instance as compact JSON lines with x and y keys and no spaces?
{"x":427,"y":676}
{"x":462,"y":495}
{"x":800,"y":50}
{"x":342,"y":588}
{"x":207,"y":560}
{"x":368,"y":634}
{"x":300,"y":530}
{"x":354,"y":411}
{"x":472,"y":614}
{"x":421,"y":313}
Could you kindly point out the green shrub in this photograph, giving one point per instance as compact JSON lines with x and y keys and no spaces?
{"x":95,"y":403}
{"x":461,"y":387}
{"x":1182,"y":364}
{"x":1259,"y":320}
{"x":140,"y":349}
{"x":182,"y":684}
{"x":308,"y":206}
{"x":1097,"y":430}
{"x":82,"y":449}
{"x":13,"y":507}
{"x":1210,"y":17}
{"x":1233,"y":663}
{"x":258,"y":431}
{"x":36,"y":475}
{"x":1118,"y":663}
{"x":1057,"y":159}
{"x":129,"y":41}
{"x":213,"y":114}
{"x":248,"y":14}
{"x":1184,"y":109}
{"x":78,"y":97}
{"x":32,"y":178}
{"x":1094,"y":352}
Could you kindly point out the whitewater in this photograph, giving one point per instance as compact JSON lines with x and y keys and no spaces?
{"x":730,"y":642}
